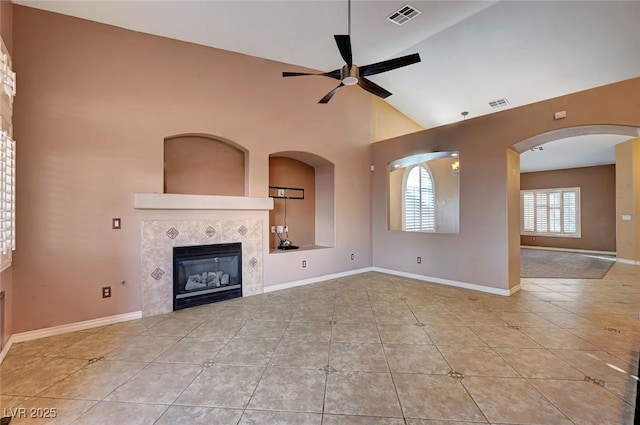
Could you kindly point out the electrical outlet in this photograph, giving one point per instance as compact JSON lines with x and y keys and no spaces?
{"x":281,"y":193}
{"x":353,"y":257}
{"x":419,"y":260}
{"x":280,"y":229}
{"x":273,"y":229}
{"x":286,"y":229}
{"x":304,"y":263}
{"x":106,"y":292}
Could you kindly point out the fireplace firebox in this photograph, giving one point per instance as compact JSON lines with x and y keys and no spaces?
{"x":204,"y":274}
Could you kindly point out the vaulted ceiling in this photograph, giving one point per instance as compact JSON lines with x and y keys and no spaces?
{"x":473,"y":52}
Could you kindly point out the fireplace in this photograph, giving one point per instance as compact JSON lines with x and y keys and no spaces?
{"x":204,"y":274}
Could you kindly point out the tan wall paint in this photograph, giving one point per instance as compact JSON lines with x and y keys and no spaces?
{"x":628,"y":199}
{"x":104,"y":99}
{"x":513,"y":217}
{"x":203,"y":166}
{"x":300,"y":213}
{"x":447,"y":195}
{"x":6,"y":24}
{"x":388,"y":122}
{"x":598,"y":206}
{"x":483,"y":252}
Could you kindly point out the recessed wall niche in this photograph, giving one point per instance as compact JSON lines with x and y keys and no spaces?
{"x":424,"y":193}
{"x":203,"y":165}
{"x":310,"y":220}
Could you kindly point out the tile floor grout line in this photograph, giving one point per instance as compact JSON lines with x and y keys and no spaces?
{"x":326,"y":379}
{"x":253,"y":393}
{"x":381,"y":301}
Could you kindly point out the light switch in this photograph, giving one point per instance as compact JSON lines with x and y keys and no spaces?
{"x":626,"y":217}
{"x":115,"y":223}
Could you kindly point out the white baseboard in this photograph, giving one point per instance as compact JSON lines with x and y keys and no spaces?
{"x":582,"y":251}
{"x":515,"y":289}
{"x":465,"y":285}
{"x":71,"y":327}
{"x":457,"y":284}
{"x":632,"y":262}
{"x":287,"y":285}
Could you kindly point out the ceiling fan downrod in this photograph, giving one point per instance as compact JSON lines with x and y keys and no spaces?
{"x":351,"y":74}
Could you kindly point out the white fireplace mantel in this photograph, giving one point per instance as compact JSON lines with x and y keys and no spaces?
{"x":172,"y":201}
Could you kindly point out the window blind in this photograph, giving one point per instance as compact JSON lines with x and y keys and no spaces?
{"x":419,"y":201}
{"x":550,"y":212}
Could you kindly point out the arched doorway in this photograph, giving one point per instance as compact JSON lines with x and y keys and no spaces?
{"x":602,"y":204}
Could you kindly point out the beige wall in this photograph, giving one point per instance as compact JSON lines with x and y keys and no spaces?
{"x":388,"y":122}
{"x":203,"y":166}
{"x":628,"y":200}
{"x":6,"y":24}
{"x":95,"y":104}
{"x":300,"y":213}
{"x":513,"y":216}
{"x":597,"y":211}
{"x":484,"y":252}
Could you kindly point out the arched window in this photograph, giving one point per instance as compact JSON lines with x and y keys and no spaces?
{"x":419,"y":201}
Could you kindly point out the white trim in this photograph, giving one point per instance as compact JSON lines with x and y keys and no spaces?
{"x":70,"y":327}
{"x":547,"y":208}
{"x":172,"y":201}
{"x":582,"y":251}
{"x":293,"y":284}
{"x":458,"y":284}
{"x":5,"y":349}
{"x":465,"y":285}
{"x":632,"y":262}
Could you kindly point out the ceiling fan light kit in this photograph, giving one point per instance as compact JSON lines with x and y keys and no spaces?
{"x":350,"y":74}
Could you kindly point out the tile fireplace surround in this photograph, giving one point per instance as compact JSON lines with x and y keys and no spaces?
{"x":160,"y":236}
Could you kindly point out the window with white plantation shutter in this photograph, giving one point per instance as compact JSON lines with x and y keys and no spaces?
{"x":419,"y":201}
{"x":7,"y":159}
{"x":550,"y":212}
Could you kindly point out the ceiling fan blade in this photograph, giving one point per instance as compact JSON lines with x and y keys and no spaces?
{"x":389,"y":65}
{"x":333,"y":74}
{"x":344,"y":45}
{"x":329,"y":95}
{"x":296,"y":74}
{"x":372,"y":87}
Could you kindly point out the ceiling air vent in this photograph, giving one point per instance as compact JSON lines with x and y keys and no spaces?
{"x":499,"y":103}
{"x":403,"y":15}
{"x":537,"y":149}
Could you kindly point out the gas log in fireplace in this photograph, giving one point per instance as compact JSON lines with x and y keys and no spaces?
{"x":206,"y":273}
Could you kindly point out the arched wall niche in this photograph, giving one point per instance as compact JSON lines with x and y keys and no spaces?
{"x":311,"y":221}
{"x":201,"y":164}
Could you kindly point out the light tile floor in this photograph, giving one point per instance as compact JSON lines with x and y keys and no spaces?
{"x":370,"y":349}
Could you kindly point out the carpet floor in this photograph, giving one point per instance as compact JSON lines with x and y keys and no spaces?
{"x":535,"y":263}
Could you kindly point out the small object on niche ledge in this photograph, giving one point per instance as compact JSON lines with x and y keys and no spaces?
{"x":286,"y":244}
{"x":286,"y":192}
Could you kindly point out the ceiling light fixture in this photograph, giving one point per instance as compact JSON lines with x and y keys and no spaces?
{"x":455,"y":168}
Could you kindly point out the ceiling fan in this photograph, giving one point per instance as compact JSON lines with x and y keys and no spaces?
{"x":351,"y":74}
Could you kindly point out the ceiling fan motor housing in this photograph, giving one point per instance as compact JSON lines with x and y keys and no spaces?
{"x":348,"y":76}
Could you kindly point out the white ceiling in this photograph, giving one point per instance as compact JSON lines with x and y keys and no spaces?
{"x":472,"y":52}
{"x":572,"y":152}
